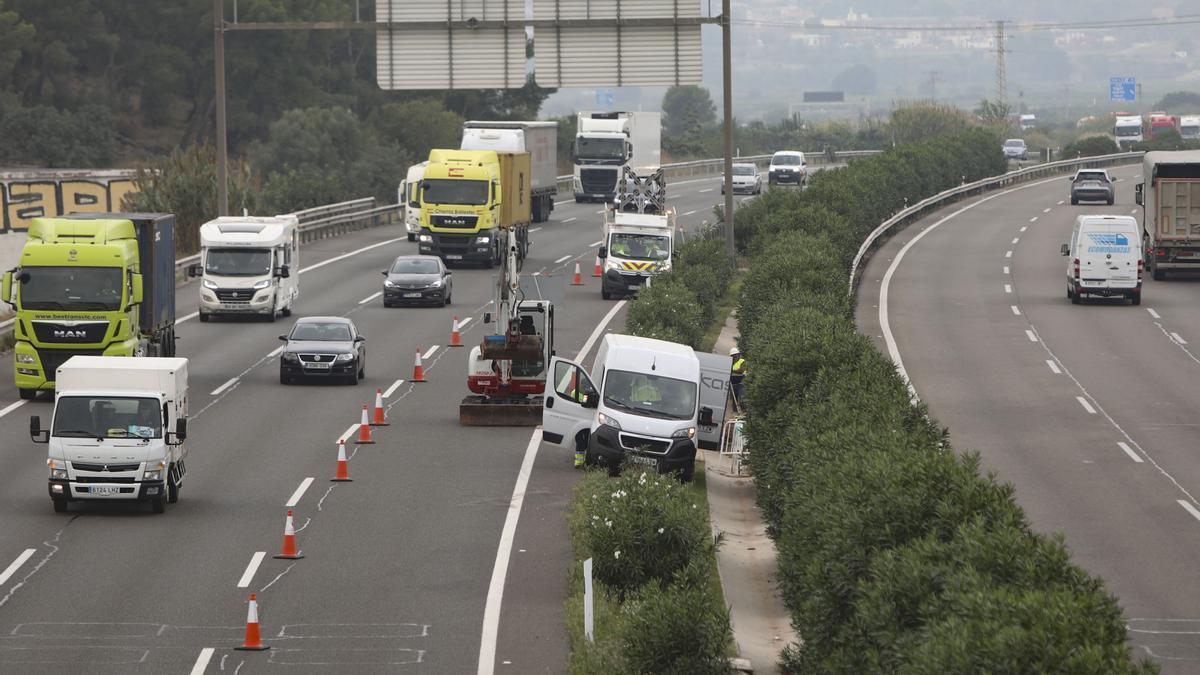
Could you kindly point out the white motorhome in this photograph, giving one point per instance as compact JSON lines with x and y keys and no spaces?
{"x":1189,"y":127}
{"x":117,"y":431}
{"x":409,"y":195}
{"x":1128,"y":129}
{"x":248,"y":266}
{"x":641,"y":403}
{"x":1105,"y":258}
{"x":605,"y":142}
{"x":539,"y":139}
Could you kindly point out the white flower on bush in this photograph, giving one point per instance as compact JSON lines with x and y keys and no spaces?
{"x":617,"y":555}
{"x":642,"y":479}
{"x":608,"y":523}
{"x":660,"y":530}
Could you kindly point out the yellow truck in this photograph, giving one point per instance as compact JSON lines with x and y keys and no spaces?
{"x":472,"y":202}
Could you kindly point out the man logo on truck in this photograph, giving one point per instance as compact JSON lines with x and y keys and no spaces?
{"x":59,"y":333}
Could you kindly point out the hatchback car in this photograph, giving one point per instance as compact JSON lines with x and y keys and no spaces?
{"x":788,"y":168}
{"x":1015,"y":148}
{"x":746,"y":179}
{"x":417,"y":279}
{"x":323,"y":347}
{"x":1092,"y":185}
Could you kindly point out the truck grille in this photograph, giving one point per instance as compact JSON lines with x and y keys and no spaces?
{"x":644,"y":444}
{"x":234,"y":295}
{"x":464,"y":221}
{"x":75,"y":332}
{"x":53,"y":358}
{"x":80,"y":466}
{"x":598,"y":181}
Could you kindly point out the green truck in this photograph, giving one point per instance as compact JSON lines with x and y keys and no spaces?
{"x":94,"y":285}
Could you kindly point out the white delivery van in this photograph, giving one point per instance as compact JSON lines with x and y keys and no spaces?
{"x":118,"y":430}
{"x":1105,"y":258}
{"x":788,"y":167}
{"x":409,"y":195}
{"x":640,"y":402}
{"x":248,"y":266}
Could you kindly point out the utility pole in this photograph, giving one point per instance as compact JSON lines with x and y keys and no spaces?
{"x":1001,"y":70}
{"x":935,"y":76}
{"x":727,"y":72}
{"x":222,"y":145}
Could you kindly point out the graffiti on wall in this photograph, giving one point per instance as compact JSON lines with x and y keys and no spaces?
{"x":35,"y":196}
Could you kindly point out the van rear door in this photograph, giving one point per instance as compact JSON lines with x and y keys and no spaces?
{"x":714,"y":393}
{"x":1108,"y":256}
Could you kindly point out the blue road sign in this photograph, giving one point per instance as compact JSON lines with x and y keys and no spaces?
{"x":604,"y":97}
{"x":1122,"y":89}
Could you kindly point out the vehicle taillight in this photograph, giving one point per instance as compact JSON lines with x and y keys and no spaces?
{"x":1140,"y":267}
{"x":1077,"y":269}
{"x":1162,"y":252}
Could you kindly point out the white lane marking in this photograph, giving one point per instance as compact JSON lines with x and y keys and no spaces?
{"x":1033,"y":219}
{"x":1086,"y":406}
{"x":1129,"y":451}
{"x":202,"y":660}
{"x":186,"y":317}
{"x":1015,"y":310}
{"x":1134,"y":211}
{"x":563,"y":259}
{"x":1016,"y":239}
{"x":1006,"y":269}
{"x":1061,"y":202}
{"x":596,"y":243}
{"x":370,"y":297}
{"x":572,"y":218}
{"x":1053,"y":367}
{"x":538,"y":229}
{"x":463,"y":323}
{"x":1177,"y":338}
{"x":1148,"y":309}
{"x":706,"y":190}
{"x":349,"y":432}
{"x":1024,"y":227}
{"x":351,"y":254}
{"x":1046,"y":210}
{"x":295,"y":498}
{"x":1031,"y":335}
{"x":16,"y":564}
{"x":1008,"y":288}
{"x":429,"y":353}
{"x":1008,"y":254}
{"x":690,"y":213}
{"x":600,"y":212}
{"x":251,"y":569}
{"x":1189,"y":508}
{"x":217,"y":392}
{"x":275,"y":352}
{"x":12,"y":406}
{"x":392,"y":389}
{"x":599,"y":329}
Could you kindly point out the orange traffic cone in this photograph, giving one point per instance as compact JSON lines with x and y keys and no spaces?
{"x":364,"y":430}
{"x":253,"y":640}
{"x":418,"y":369}
{"x":380,"y":418}
{"x":289,"y":551}
{"x":578,"y":280}
{"x":598,"y":270}
{"x":455,"y":336}
{"x":343,"y":467}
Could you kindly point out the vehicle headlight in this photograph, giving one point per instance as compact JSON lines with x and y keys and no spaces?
{"x":290,"y":357}
{"x":387,"y":283}
{"x":58,"y":470}
{"x":210,"y":285}
{"x":344,"y":357}
{"x":262,"y":284}
{"x":688,"y":432}
{"x":608,"y":421}
{"x":425,"y":239}
{"x":26,"y":358}
{"x":483,"y":240}
{"x":154,"y":471}
{"x":437,"y":283}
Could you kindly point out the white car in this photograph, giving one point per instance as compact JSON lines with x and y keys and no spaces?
{"x":1104,"y":258}
{"x":746,"y":178}
{"x":788,"y":168}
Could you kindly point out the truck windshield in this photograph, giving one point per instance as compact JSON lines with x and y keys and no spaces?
{"x":599,"y":148}
{"x":107,"y":417}
{"x":1189,"y":131}
{"x":650,"y":395}
{"x":445,"y":191}
{"x":95,"y":289}
{"x":238,"y":262}
{"x":1131,"y":130}
{"x":640,"y":246}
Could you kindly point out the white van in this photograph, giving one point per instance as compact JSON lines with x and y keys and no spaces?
{"x":408,"y":195}
{"x":647,"y":408}
{"x":1105,"y":258}
{"x":249,"y":265}
{"x":788,"y":167}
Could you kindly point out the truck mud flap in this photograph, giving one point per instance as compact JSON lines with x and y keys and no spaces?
{"x":481,"y":411}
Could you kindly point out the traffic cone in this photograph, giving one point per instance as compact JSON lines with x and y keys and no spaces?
{"x":418,"y":369}
{"x":343,"y":468}
{"x":598,"y":270}
{"x":578,"y":280}
{"x":289,"y":551}
{"x":253,"y":640}
{"x":455,"y":336}
{"x":364,"y":430}
{"x":380,"y":419}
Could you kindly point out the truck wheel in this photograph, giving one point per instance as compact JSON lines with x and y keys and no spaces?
{"x":158,"y":504}
{"x":60,"y":505}
{"x":172,"y":487}
{"x":27,"y":394}
{"x":536,"y":209}
{"x":412,"y":236}
{"x":1159,"y":275}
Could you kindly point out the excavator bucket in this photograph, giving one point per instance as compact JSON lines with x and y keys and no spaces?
{"x":481,"y":411}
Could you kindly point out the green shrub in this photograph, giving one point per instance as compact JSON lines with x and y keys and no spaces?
{"x":680,"y":629}
{"x":667,"y":310}
{"x":1092,"y":146}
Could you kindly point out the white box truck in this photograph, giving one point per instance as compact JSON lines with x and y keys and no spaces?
{"x":641,"y":402}
{"x":248,"y":266}
{"x":539,"y":139}
{"x":118,"y":430}
{"x":605,"y":142}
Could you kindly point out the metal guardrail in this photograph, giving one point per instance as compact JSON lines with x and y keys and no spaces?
{"x":903,"y":217}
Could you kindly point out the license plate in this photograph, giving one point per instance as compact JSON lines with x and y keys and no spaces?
{"x":412,"y":295}
{"x":453,"y":257}
{"x":635,"y":287}
{"x":638,"y":459}
{"x":105,"y":490}
{"x":318,"y":366}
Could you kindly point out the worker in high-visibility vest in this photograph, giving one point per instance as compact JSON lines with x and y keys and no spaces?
{"x":737,"y":374}
{"x":575,"y":395}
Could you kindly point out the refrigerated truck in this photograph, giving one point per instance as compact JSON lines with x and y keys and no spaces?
{"x":1170,"y":200}
{"x":539,"y":139}
{"x":1128,"y":129}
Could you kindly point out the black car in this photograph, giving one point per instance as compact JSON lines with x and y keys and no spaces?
{"x":323,"y":347}
{"x":417,"y":279}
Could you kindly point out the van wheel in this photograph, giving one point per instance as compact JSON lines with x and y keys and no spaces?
{"x":1110,"y":201}
{"x":60,"y":505}
{"x":274,"y":311}
{"x":1075,"y":299}
{"x":1135,"y":299}
{"x":204,"y":316}
{"x":286,"y":311}
{"x":688,"y":474}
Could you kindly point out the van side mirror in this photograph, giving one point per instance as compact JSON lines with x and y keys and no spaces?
{"x":284,"y":272}
{"x":1139,"y":194}
{"x":283,"y":337}
{"x":359,"y":338}
{"x":180,"y":429}
{"x":35,"y":430}
{"x":136,"y":295}
{"x":1065,"y":250}
{"x":487,"y":317}
{"x":590,"y":401}
{"x":602,"y":253}
{"x":193,"y":270}
{"x":706,"y":416}
{"x":384,"y":273}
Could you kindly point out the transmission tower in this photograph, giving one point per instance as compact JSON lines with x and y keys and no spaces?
{"x":1001,"y":70}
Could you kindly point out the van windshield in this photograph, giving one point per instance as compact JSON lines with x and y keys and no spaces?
{"x":788,"y":159}
{"x":632,"y":246}
{"x":238,"y":262}
{"x":107,"y":417}
{"x":650,"y":395}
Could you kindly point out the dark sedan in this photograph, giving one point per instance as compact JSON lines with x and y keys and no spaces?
{"x":325,"y":347}
{"x":417,"y":279}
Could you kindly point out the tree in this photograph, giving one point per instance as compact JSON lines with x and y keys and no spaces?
{"x":921,"y":120}
{"x":993,"y":113}
{"x":687,"y":112}
{"x":1182,"y":101}
{"x":417,"y":126}
{"x":16,"y":36}
{"x":858,"y":79}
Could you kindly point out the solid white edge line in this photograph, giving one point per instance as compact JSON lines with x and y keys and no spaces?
{"x":392,"y":389}
{"x":251,"y":569}
{"x":349,"y":432}
{"x":1178,"y":338}
{"x":12,"y":406}
{"x":1189,"y":508}
{"x":1015,"y":310}
{"x":705,"y":190}
{"x":1031,"y":335}
{"x":202,"y":660}
{"x":217,"y":392}
{"x":1148,"y":309}
{"x":1053,"y":367}
{"x":599,"y":329}
{"x":429,"y":352}
{"x":563,"y":259}
{"x":1129,"y":451}
{"x":370,"y":297}
{"x":16,"y":564}
{"x":295,"y":498}
{"x":1086,"y":406}
{"x":571,"y":219}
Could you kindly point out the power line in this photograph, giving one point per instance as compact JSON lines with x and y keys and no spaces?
{"x":1112,"y":24}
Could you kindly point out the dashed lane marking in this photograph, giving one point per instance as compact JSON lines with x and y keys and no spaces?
{"x":12,"y":406}
{"x":562,"y":259}
{"x":217,"y":392}
{"x":571,"y":219}
{"x":1033,"y":219}
{"x":1086,"y":406}
{"x":370,"y":297}
{"x":1148,"y":309}
{"x":1053,"y":367}
{"x":1031,"y":335}
{"x":349,"y":432}
{"x":1129,"y":451}
{"x":392,"y":389}
{"x":16,"y":565}
{"x":429,"y":353}
{"x":251,"y":569}
{"x":1024,"y":227}
{"x":1006,"y":270}
{"x":1016,"y":240}
{"x":1008,"y":288}
{"x":202,"y":660}
{"x":1176,"y":337}
{"x":295,"y":498}
{"x":1187,"y":506}
{"x":1015,"y":310}
{"x":1008,"y":254}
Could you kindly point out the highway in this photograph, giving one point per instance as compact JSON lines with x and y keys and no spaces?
{"x":399,"y":565}
{"x":1090,"y":411}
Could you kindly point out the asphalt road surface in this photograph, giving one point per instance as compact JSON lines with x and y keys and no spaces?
{"x":1090,"y":410}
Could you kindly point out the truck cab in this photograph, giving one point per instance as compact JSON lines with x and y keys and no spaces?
{"x":1189,"y":127}
{"x":409,"y":196}
{"x":248,"y":266}
{"x":607,"y":141}
{"x":1128,"y":129}
{"x":469,"y":200}
{"x":118,"y":431}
